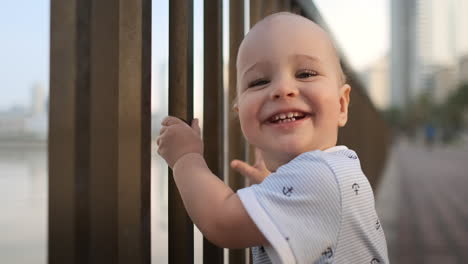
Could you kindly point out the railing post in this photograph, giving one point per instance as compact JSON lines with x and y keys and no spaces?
{"x":213,"y":106}
{"x":180,"y":105}
{"x":269,"y":7}
{"x":236,"y":140}
{"x":99,"y":132}
{"x":68,"y":133}
{"x":255,"y":9}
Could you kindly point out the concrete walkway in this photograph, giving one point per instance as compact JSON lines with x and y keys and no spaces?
{"x":422,"y":201}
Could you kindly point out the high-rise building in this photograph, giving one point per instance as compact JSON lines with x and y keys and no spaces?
{"x":403,"y":61}
{"x":38,"y":99}
{"x":428,"y":39}
{"x":461,"y":20}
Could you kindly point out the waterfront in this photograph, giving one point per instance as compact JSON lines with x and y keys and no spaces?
{"x":23,"y":205}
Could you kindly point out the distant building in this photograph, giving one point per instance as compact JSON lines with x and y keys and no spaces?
{"x":38,"y":99}
{"x":376,"y":78}
{"x":463,"y":69}
{"x":403,"y":60}
{"x":32,"y":122}
{"x":442,"y":82}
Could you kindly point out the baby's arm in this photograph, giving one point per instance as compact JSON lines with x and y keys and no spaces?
{"x":213,"y":206}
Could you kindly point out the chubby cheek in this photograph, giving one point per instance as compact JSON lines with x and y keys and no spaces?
{"x":248,"y":123}
{"x":328,"y":107}
{"x":249,"y":109}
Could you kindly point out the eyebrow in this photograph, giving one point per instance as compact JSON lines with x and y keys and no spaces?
{"x":308,"y":57}
{"x":251,"y":67}
{"x":291,"y":57}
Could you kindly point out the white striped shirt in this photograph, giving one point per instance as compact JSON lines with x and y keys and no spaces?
{"x":317,"y":208}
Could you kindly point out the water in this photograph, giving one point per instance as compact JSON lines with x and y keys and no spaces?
{"x":23,"y":205}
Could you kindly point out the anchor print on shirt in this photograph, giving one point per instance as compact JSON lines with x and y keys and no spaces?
{"x":262,"y":249}
{"x":375,"y":261}
{"x":328,"y":253}
{"x":377,"y":225}
{"x":287,"y":191}
{"x":355,"y":187}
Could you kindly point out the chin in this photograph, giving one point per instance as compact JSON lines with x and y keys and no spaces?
{"x":292,"y":149}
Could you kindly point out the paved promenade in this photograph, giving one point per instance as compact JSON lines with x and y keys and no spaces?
{"x":423,"y":204}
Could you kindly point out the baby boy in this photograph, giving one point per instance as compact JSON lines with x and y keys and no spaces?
{"x":312,"y":203}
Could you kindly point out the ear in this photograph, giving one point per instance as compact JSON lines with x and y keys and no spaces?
{"x":344,"y":103}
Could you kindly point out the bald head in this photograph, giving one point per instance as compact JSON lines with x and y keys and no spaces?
{"x":287,"y":28}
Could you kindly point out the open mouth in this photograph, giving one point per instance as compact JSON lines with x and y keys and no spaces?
{"x":287,"y":117}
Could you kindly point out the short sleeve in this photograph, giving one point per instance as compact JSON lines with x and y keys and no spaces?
{"x":298,"y":210}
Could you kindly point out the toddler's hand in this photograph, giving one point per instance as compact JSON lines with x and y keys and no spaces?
{"x":256,"y":173}
{"x":176,"y":139}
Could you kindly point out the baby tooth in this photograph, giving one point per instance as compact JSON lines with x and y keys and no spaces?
{"x":282,"y":116}
{"x":290,"y":115}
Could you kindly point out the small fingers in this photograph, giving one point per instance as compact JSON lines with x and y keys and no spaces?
{"x":248,"y":171}
{"x":196,"y":126}
{"x":162,"y":130}
{"x":171,"y":120}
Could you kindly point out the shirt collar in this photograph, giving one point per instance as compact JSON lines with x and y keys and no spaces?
{"x":335,"y":148}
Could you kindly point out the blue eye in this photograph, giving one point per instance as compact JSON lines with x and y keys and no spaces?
{"x":258,"y":82}
{"x":306,"y":74}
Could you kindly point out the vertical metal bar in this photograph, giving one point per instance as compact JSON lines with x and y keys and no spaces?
{"x":119,"y":154}
{"x":64,"y":138}
{"x":99,"y":159}
{"x":83,"y":126}
{"x":103,"y":125}
{"x":180,"y":105}
{"x":255,"y":11}
{"x":236,"y":141}
{"x":269,"y":7}
{"x":213,"y":105}
{"x":285,"y":5}
{"x":146,"y":58}
{"x":134,"y":132}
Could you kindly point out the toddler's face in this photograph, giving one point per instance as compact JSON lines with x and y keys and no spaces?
{"x":290,"y":96}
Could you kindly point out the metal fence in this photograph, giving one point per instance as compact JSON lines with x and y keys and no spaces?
{"x":99,"y":136}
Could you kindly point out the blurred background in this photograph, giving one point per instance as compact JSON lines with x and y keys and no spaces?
{"x":412,"y":57}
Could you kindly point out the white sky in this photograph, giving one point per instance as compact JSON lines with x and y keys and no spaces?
{"x":361,"y":28}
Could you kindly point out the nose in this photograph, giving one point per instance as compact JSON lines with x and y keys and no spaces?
{"x":283,"y":89}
